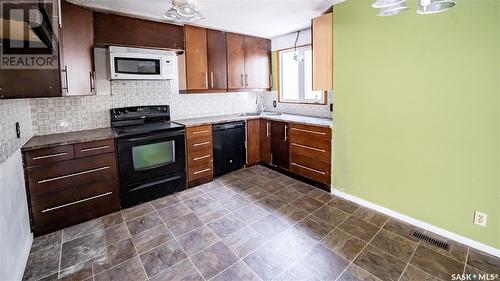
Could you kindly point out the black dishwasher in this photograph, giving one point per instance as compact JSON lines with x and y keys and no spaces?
{"x":229,"y":147}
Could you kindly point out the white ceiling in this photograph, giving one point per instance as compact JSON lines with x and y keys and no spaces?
{"x":262,"y":18}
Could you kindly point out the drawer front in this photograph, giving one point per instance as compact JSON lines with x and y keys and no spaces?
{"x":94,"y":148}
{"x":199,"y":132}
{"x":310,"y":131}
{"x":48,"y":155}
{"x":199,"y":157}
{"x":320,"y":154}
{"x":199,"y":144}
{"x":200,"y":171}
{"x":310,"y":168}
{"x":311,"y":141}
{"x":71,"y":175}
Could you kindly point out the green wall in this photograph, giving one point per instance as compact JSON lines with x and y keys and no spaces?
{"x":417,"y":112}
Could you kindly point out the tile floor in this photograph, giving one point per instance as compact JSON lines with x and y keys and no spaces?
{"x":253,"y":224}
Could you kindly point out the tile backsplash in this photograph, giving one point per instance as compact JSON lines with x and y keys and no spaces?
{"x":12,"y":111}
{"x":316,"y":110}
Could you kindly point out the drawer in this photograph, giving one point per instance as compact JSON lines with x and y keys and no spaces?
{"x":308,"y":131}
{"x":200,"y":171}
{"x":198,"y":157}
{"x":67,"y":176}
{"x":199,"y":144}
{"x":319,"y":154}
{"x":199,"y":131}
{"x":48,"y":155}
{"x":94,"y":148}
{"x":310,"y":168}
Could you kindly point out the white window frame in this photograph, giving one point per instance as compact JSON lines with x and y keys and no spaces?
{"x":302,"y":99}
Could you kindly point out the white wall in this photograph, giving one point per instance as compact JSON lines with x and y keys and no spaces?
{"x":15,"y":233}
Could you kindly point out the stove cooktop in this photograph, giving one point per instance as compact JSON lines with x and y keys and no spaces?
{"x":147,"y":128}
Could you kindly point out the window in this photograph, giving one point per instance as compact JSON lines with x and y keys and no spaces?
{"x":295,"y":85}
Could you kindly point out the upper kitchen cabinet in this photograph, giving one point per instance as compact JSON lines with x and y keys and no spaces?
{"x":77,"y":33}
{"x":30,"y":51}
{"x":125,"y":31}
{"x":248,"y":63}
{"x":322,"y":44}
{"x":205,"y":58}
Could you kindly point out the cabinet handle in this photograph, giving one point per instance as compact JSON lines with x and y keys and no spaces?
{"x":246,"y":80}
{"x":308,"y":147}
{"x":242,"y":79}
{"x":309,"y":131}
{"x":201,"y":143}
{"x":211,"y":79}
{"x":94,"y":148}
{"x":75,"y":174}
{"x":77,"y":202}
{"x":310,"y":169}
{"x":202,"y":171}
{"x":2,"y":95}
{"x":286,"y":132}
{"x":267,"y":129}
{"x":270,"y":81}
{"x":49,"y":156}
{"x":199,"y":132}
{"x":66,"y":79}
{"x":92,"y":81}
{"x":206,"y":79}
{"x":201,"y":157}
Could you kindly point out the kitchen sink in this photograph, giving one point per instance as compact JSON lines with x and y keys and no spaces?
{"x":260,"y":114}
{"x":249,"y":114}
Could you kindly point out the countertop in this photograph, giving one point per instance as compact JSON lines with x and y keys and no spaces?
{"x":299,"y":119}
{"x":45,"y":141}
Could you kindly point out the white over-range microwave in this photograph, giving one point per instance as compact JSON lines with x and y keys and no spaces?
{"x":142,"y":64}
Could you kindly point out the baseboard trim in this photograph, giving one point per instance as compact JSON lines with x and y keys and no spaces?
{"x":464,"y":240}
{"x":25,"y":256}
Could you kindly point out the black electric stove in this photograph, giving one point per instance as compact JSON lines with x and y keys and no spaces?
{"x":151,"y":153}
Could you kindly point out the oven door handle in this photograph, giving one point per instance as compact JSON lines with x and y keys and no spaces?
{"x":153,"y":137}
{"x":149,"y":184}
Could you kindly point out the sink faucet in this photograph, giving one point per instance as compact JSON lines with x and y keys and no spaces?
{"x":260,"y":99}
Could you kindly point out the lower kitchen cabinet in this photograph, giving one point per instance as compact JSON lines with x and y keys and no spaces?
{"x":280,"y":145}
{"x":265,"y":141}
{"x":70,"y":184}
{"x":199,"y":155}
{"x":253,"y":141}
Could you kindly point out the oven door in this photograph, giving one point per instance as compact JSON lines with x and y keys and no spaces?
{"x":152,"y":156}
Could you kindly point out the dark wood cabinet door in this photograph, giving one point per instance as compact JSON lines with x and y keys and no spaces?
{"x":265,"y":141}
{"x":235,"y":61}
{"x":265,"y":78}
{"x":253,"y":141}
{"x":280,"y":145}
{"x":217,"y":62}
{"x":252,"y":63}
{"x":77,"y":34}
{"x":119,"y":30}
{"x":196,"y":57}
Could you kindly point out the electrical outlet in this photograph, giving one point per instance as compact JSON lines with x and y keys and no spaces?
{"x":480,"y":218}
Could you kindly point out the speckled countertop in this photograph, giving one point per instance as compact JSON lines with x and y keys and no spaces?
{"x":299,"y":119}
{"x":45,"y":141}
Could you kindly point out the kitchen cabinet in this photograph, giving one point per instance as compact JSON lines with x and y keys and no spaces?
{"x":310,"y":152}
{"x":265,"y":141}
{"x":280,"y":145}
{"x":70,"y":184}
{"x":253,"y":141}
{"x":249,"y":63}
{"x":77,"y":33}
{"x":206,"y":69}
{"x":126,"y":31}
{"x":199,"y":155}
{"x":322,"y":52}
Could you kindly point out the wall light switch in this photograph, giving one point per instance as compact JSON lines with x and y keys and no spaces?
{"x":480,"y":218}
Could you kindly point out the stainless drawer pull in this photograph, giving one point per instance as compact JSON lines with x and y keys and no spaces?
{"x":201,"y":143}
{"x":201,"y":157}
{"x":94,"y":148}
{"x":310,"y":169}
{"x":77,"y":202}
{"x":49,"y":156}
{"x":309,"y":147}
{"x":200,"y":132}
{"x":309,"y":131}
{"x":75,"y":174}
{"x":202,"y":171}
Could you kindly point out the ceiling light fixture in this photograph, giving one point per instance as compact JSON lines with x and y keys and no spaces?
{"x":183,"y":10}
{"x":426,"y":7}
{"x":429,"y":7}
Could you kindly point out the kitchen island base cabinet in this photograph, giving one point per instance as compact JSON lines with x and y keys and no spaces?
{"x":65,"y":187}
